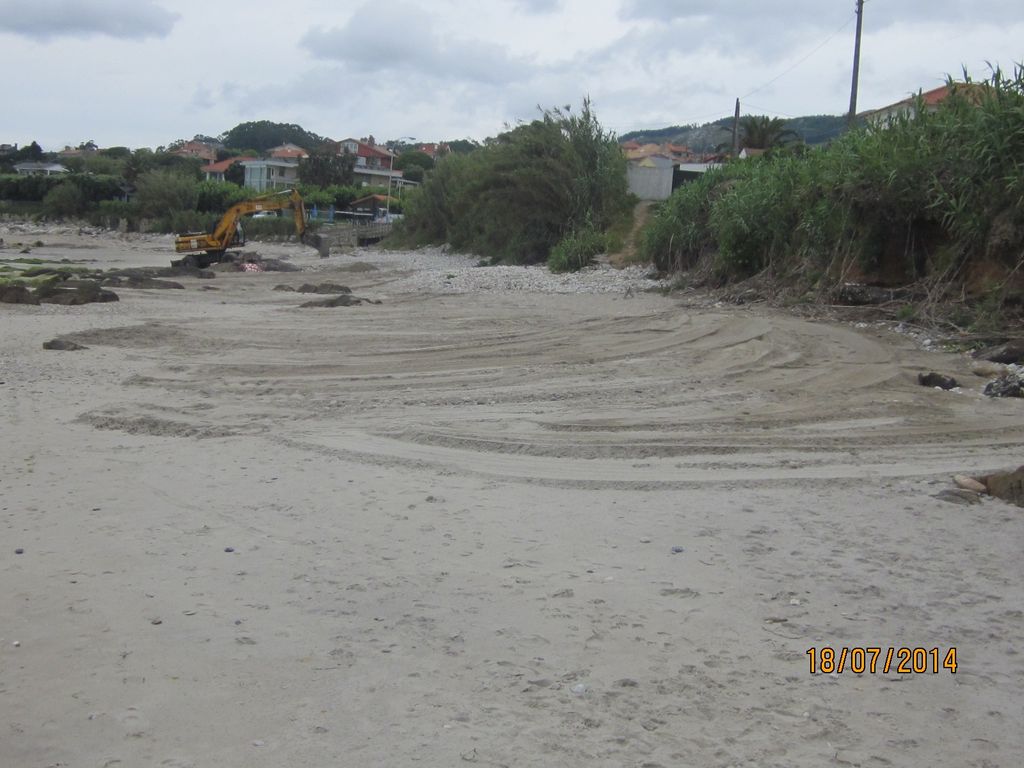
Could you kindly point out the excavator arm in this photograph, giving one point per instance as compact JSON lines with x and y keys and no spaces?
{"x":228,"y":233}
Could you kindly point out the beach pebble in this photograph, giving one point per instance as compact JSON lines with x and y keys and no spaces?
{"x":16,"y":644}
{"x":229,"y":549}
{"x":579,"y":689}
{"x":645,"y":540}
{"x":19,"y":551}
{"x":259,"y":743}
{"x":155,"y":622}
{"x":677,"y":550}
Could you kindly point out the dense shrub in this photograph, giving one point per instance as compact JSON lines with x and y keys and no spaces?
{"x":163,"y":193}
{"x":923,"y":196}
{"x":65,"y":200}
{"x":218,"y":196}
{"x":516,"y":198}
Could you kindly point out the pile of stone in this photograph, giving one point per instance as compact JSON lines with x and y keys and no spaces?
{"x":1004,"y":364}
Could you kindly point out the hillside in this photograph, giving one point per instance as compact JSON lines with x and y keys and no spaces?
{"x":813,"y":129}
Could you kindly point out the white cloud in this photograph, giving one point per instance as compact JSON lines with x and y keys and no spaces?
{"x":409,"y":45}
{"x":537,"y":6}
{"x":48,"y":19}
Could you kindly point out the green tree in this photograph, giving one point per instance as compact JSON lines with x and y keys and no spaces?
{"x":261,"y":135}
{"x":160,"y":193}
{"x":32,"y":153}
{"x":763,"y":132}
{"x":66,"y":199}
{"x":463,"y":146}
{"x":218,"y":196}
{"x":325,"y":168}
{"x":118,"y":153}
{"x":414,"y":157}
{"x":529,"y":187}
{"x":413,"y":172}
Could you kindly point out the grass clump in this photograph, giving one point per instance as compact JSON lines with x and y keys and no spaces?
{"x":577,"y":250}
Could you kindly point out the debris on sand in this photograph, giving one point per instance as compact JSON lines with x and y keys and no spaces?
{"x":936,"y":380}
{"x":323,"y":288}
{"x":341,"y":300}
{"x":283,"y":287}
{"x":62,"y":345}
{"x":1010,"y":384}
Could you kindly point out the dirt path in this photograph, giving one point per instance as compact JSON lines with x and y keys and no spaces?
{"x":494,"y":528}
{"x":630,"y":251}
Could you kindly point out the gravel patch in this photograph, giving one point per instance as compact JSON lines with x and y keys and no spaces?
{"x":434,"y":270}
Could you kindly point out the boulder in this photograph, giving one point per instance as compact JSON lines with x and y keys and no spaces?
{"x":341,"y":300}
{"x":16,"y":294}
{"x":1010,"y":352}
{"x":62,"y":345}
{"x":276,"y":265}
{"x":139,"y":281}
{"x":324,"y":288}
{"x":73,"y":293}
{"x":936,"y":380}
{"x":987,"y":369}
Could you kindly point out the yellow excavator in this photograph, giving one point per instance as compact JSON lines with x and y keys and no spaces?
{"x":204,"y":248}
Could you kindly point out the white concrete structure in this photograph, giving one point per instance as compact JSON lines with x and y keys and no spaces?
{"x":269,"y":175}
{"x":650,"y":178}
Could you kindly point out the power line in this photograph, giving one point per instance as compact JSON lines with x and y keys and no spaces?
{"x":800,"y":61}
{"x":766,"y":110}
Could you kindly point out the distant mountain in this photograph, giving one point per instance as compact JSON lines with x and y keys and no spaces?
{"x":813,"y":129}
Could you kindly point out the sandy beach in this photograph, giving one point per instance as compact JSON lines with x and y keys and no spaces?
{"x":497,"y":519}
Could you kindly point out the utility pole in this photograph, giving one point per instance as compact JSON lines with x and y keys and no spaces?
{"x":856,"y":65}
{"x":736,"y":131}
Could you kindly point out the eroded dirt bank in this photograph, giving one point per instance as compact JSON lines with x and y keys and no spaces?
{"x":489,"y":524}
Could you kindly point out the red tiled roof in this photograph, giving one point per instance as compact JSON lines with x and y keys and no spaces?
{"x":287,"y":151}
{"x":366,"y":150}
{"x":223,"y":165}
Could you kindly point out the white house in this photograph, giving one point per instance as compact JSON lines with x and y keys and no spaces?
{"x":39,"y":169}
{"x":269,"y":175}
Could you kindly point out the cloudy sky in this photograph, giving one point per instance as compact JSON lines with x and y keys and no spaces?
{"x":147,"y":72}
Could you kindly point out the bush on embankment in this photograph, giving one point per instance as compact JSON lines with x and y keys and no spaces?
{"x":937,"y":198}
{"x":516,"y":198}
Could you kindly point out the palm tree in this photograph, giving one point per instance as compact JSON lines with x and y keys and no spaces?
{"x":763,"y":132}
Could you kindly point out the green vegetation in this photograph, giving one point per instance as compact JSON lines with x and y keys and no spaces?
{"x":938,"y":198}
{"x":261,"y":135}
{"x":576,"y":250}
{"x":325,"y":168}
{"x":763,"y":132}
{"x":561,"y":176}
